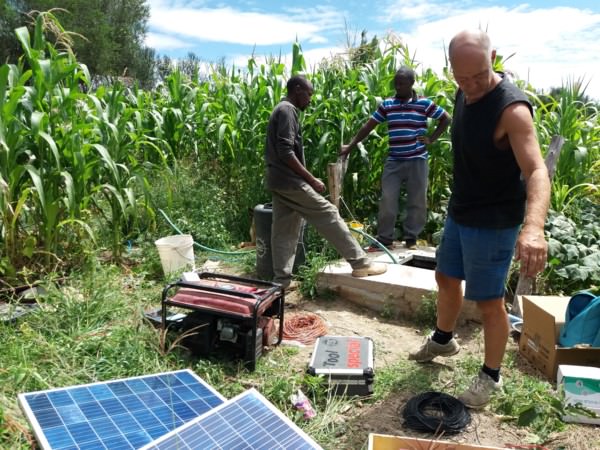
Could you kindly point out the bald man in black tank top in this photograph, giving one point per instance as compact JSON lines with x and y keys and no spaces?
{"x":498,"y":207}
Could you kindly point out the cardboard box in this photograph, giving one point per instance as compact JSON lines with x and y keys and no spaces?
{"x":581,"y":385}
{"x":387,"y":442}
{"x":543,"y":318}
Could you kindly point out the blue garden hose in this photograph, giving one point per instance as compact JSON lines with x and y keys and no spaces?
{"x":371,"y":239}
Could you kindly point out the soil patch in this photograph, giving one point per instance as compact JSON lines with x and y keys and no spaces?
{"x":393,"y":339}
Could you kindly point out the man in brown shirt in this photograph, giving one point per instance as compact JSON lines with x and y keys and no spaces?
{"x":296,"y":192}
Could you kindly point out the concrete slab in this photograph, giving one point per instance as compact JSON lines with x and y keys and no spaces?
{"x":397,"y":293}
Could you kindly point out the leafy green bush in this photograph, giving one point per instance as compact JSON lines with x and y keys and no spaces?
{"x":199,"y":205}
{"x":573,"y":250}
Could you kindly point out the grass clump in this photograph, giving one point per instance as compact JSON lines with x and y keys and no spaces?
{"x":426,"y":314}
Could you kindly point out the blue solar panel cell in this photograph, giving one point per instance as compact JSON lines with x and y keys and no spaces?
{"x":81,"y":395}
{"x":117,"y":443}
{"x":119,"y":388}
{"x":59,"y":437}
{"x":247,"y":421}
{"x":119,"y":414}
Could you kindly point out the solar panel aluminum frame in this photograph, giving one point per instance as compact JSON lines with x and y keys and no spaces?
{"x":273,"y":298}
{"x":173,"y":439}
{"x":37,"y":428}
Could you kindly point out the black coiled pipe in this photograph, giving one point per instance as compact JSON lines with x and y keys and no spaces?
{"x":435,"y":412}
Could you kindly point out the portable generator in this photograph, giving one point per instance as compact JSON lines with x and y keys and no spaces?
{"x":228,"y":315}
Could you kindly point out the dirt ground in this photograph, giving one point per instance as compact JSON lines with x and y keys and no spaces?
{"x":393,"y":339}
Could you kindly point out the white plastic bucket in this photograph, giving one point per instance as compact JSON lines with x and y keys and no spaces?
{"x":176,"y":252}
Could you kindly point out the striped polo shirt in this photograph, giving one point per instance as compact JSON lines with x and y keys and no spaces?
{"x":406,"y":121}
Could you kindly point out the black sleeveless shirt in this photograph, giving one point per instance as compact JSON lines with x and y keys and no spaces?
{"x":487,"y":190}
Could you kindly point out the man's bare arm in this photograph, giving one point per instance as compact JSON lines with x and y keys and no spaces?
{"x":532,"y":247}
{"x":364,"y":131}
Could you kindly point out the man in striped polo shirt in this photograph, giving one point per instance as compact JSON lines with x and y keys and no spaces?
{"x":406,"y":115}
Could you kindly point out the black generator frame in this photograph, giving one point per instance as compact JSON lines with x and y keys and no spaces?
{"x":274,"y":294}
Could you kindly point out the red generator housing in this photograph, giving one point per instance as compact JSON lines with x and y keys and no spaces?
{"x":228,"y":315}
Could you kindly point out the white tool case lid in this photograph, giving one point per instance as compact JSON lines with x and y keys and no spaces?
{"x":343,"y":355}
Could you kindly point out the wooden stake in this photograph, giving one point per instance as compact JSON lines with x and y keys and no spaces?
{"x":335,"y":179}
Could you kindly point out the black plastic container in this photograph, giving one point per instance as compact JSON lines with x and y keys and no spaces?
{"x":263,"y":218}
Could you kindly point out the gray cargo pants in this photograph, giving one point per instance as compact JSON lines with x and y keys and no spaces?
{"x":414,"y":173}
{"x":289,"y":207}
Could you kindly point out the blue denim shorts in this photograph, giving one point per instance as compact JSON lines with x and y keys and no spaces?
{"x":480,"y":256}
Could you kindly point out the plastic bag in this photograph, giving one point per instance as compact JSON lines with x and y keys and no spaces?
{"x":302,"y":403}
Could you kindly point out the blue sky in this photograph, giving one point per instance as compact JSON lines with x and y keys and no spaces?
{"x":552,"y":41}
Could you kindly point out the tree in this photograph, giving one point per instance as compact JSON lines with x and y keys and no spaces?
{"x":10,"y":12}
{"x":108,"y":34}
{"x":190,"y":66}
{"x":164,"y":66}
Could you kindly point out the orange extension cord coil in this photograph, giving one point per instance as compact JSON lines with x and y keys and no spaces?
{"x":304,"y":328}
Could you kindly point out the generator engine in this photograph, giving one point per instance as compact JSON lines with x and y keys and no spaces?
{"x":228,"y":316}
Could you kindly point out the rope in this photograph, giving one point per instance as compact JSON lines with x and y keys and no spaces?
{"x":435,"y":412}
{"x":304,"y":328}
{"x":208,"y":249}
{"x":347,"y":208}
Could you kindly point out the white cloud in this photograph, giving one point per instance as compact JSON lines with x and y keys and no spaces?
{"x":550,"y":45}
{"x":164,"y":41}
{"x":232,"y":26}
{"x":402,"y":10}
{"x":324,"y":17}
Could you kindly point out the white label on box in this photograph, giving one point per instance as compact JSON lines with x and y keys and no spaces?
{"x":581,"y":385}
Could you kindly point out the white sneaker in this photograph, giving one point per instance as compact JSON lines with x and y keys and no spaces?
{"x":479,"y":393}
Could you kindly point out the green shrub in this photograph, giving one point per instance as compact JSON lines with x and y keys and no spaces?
{"x":573,"y":250}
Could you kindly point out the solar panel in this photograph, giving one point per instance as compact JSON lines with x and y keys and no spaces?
{"x":117,"y":414}
{"x":247,"y":421}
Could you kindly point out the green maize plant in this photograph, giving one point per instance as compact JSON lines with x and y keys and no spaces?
{"x":76,"y":165}
{"x":63,"y":153}
{"x":576,"y":120}
{"x":442,"y":91}
{"x":13,"y":152}
{"x":38,"y":187}
{"x":120,"y":189}
{"x":178,"y":110}
{"x":233,"y":109}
